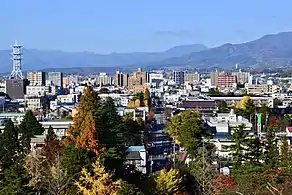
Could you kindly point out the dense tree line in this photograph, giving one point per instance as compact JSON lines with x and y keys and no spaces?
{"x":90,"y":160}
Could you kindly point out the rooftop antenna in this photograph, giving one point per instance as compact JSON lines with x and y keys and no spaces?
{"x":16,"y":61}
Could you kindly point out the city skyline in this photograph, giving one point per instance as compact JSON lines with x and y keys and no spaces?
{"x":114,"y":26}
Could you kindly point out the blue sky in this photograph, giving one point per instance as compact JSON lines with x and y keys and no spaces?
{"x":105,"y":26}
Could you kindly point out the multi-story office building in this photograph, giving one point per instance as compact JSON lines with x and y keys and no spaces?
{"x":155,"y":77}
{"x":104,"y":79}
{"x":139,"y":77}
{"x":223,"y":80}
{"x":214,"y":78}
{"x":259,"y":89}
{"x":192,"y":78}
{"x":138,"y":80}
{"x":242,"y":77}
{"x":38,"y":90}
{"x":35,"y":103}
{"x":36,"y":78}
{"x":56,"y":78}
{"x":226,"y":80}
{"x":179,"y":77}
{"x":121,"y":79}
{"x":69,"y":80}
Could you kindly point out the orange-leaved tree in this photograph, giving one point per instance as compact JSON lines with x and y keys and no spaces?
{"x":84,"y":133}
{"x":223,"y":183}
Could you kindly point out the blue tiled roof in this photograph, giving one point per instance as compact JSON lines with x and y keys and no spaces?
{"x":135,"y":148}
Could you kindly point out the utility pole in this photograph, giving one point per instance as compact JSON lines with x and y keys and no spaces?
{"x":174,"y":154}
{"x":203,"y":166}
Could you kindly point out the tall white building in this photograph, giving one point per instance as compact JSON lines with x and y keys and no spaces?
{"x":104,"y":79}
{"x":56,"y":78}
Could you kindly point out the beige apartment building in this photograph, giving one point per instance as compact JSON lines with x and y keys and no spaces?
{"x":242,"y":77}
{"x":260,"y":89}
{"x":193,"y":78}
{"x":138,"y":80}
{"x":36,"y":78}
{"x":69,"y":80}
{"x":35,"y":103}
{"x":121,"y":79}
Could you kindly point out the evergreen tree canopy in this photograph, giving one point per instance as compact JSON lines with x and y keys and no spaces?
{"x":187,"y":129}
{"x":132,"y":131}
{"x":51,"y":134}
{"x":29,"y":127}
{"x":9,"y":146}
{"x":238,"y":148}
{"x":112,"y":132}
{"x":271,"y":153}
{"x":112,"y":137}
{"x":222,"y":107}
{"x":255,"y":151}
{"x":16,"y":180}
{"x":73,"y":159}
{"x":285,"y":156}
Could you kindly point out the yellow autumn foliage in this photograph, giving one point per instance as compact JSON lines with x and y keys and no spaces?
{"x":242,"y":103}
{"x":134,"y":103}
{"x":100,"y":183}
{"x":168,"y":182}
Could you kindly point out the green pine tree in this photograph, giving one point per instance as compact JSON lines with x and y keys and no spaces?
{"x":112,"y":137}
{"x":255,"y":151}
{"x":112,"y":132}
{"x":222,"y":107}
{"x":72,"y":161}
{"x":29,"y":127}
{"x":15,"y":180}
{"x":238,"y":148}
{"x":126,"y":189}
{"x":271,"y":153}
{"x":9,"y":145}
{"x":51,"y":134}
{"x":132,"y":135}
{"x":285,"y":156}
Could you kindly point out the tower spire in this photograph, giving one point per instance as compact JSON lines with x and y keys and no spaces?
{"x":16,"y":61}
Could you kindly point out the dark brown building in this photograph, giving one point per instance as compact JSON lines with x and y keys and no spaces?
{"x":204,"y":106}
{"x":16,"y":88}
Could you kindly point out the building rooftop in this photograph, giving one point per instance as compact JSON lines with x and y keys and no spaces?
{"x":198,"y":104}
{"x":135,"y":148}
{"x":12,"y":114}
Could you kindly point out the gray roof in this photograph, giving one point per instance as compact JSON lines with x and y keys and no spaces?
{"x":133,"y":155}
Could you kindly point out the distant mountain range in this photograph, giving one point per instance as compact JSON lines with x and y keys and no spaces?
{"x":37,"y":59}
{"x":268,"y":51}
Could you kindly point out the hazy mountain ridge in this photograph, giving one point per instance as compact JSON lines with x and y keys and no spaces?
{"x":36,"y":59}
{"x":270,"y":51}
